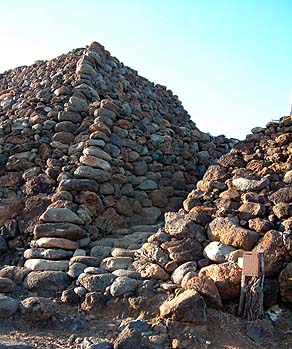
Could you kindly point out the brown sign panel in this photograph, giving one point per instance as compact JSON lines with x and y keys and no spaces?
{"x":251,"y":264}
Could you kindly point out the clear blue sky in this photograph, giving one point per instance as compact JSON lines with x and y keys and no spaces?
{"x":229,"y":61}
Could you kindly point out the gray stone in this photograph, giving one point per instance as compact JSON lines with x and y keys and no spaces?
{"x":61,"y":243}
{"x":8,"y":306}
{"x":106,"y":189}
{"x":6,"y":285}
{"x":152,"y":253}
{"x":99,"y":175}
{"x":97,"y":152}
{"x":59,"y":215}
{"x":44,"y":265}
{"x":45,"y":253}
{"x":148,"y":185}
{"x":80,"y":291}
{"x":100,"y":345}
{"x":247,"y":184}
{"x":95,"y":143}
{"x":16,"y":274}
{"x":89,"y":261}
{"x":86,"y":69}
{"x":179,"y":273}
{"x":62,"y":230}
{"x":95,"y":162}
{"x":37,"y":308}
{"x":77,"y":104}
{"x":179,"y":226}
{"x":76,"y":269}
{"x":101,"y":251}
{"x":96,"y":283}
{"x":113,"y":150}
{"x":122,"y":285}
{"x":126,"y":109}
{"x":47,"y":280}
{"x":69,"y":116}
{"x":149,"y":215}
{"x":131,"y":338}
{"x":114,"y":263}
{"x":95,"y":270}
{"x":3,"y":245}
{"x":129,"y":273}
{"x":139,"y":325}
{"x":78,"y":185}
{"x":140,"y":167}
{"x":122,"y":252}
{"x":184,"y":250}
{"x":16,"y":346}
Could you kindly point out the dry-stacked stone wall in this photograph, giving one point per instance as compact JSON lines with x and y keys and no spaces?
{"x":89,"y":146}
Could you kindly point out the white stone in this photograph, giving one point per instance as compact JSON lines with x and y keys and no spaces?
{"x":218,"y":252}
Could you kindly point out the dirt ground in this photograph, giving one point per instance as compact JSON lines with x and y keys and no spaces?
{"x":224,"y":331}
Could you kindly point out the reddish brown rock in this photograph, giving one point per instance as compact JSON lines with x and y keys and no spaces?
{"x":227,"y":278}
{"x":282,"y":195}
{"x":11,"y":179}
{"x":216,"y":173}
{"x":250,"y":210}
{"x":186,"y":307}
{"x":110,"y":220}
{"x":9,"y":209}
{"x":275,"y":252}
{"x":150,"y":271}
{"x":283,"y":210}
{"x":260,"y":225}
{"x":230,"y":194}
{"x":208,"y":290}
{"x":226,"y":231}
{"x":285,"y":283}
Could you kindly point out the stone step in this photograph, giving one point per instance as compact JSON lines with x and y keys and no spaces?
{"x":60,"y":215}
{"x":43,"y":253}
{"x":89,"y":261}
{"x":46,"y":265}
{"x":99,"y":175}
{"x":64,"y":244}
{"x":59,"y":230}
{"x":78,"y":185}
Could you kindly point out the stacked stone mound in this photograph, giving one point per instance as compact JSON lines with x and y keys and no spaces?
{"x":243,"y":203}
{"x":89,"y":146}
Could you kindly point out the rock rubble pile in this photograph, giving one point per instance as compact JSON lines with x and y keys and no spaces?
{"x":243,"y":203}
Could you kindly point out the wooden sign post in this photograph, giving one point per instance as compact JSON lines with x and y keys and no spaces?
{"x":252,"y":284}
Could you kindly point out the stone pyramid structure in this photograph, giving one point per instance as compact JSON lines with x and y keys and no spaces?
{"x":113,"y":200}
{"x":89,"y":147}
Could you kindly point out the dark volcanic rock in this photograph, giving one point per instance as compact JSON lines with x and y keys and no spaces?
{"x":47,"y":281}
